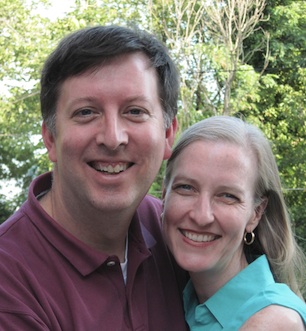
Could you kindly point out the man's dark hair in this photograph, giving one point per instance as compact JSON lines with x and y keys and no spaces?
{"x":91,"y":47}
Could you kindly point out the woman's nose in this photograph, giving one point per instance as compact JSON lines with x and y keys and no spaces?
{"x":202,"y":212}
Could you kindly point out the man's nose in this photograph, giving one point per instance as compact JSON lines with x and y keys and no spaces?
{"x":113,"y":132}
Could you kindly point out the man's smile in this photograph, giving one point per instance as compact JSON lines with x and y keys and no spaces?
{"x":113,"y":168}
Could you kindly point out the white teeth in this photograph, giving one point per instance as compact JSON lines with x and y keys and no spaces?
{"x":198,"y":237}
{"x":110,"y":169}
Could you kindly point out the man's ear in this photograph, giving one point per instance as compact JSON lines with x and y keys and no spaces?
{"x":170,"y":137}
{"x":49,"y":141}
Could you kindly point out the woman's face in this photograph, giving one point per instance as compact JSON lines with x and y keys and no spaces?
{"x":208,"y":205}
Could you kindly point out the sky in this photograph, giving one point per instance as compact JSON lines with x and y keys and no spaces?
{"x":58,"y":8}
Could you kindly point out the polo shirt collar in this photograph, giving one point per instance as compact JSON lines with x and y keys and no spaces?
{"x":84,"y":258}
{"x":228,"y":299}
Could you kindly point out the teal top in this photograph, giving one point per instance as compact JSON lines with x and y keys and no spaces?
{"x":248,"y":292}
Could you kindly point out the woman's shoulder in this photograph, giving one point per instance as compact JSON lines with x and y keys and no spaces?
{"x":276,"y":318}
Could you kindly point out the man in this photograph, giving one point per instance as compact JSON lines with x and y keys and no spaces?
{"x":85,"y":251}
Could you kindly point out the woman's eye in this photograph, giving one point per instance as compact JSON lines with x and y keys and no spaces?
{"x":229,"y":197}
{"x":183,"y":188}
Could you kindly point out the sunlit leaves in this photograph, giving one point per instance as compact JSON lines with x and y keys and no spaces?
{"x":274,"y":98}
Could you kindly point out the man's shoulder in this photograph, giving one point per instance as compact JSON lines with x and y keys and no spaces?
{"x":12,"y":223}
{"x":150,"y":209}
{"x":148,"y":215}
{"x":16,"y":236}
{"x":151,"y":200}
{"x":27,"y":210}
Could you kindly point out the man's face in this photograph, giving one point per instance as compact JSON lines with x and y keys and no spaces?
{"x":110,"y":136}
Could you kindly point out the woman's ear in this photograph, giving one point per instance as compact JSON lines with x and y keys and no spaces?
{"x":260,"y":209}
{"x":258,"y":212}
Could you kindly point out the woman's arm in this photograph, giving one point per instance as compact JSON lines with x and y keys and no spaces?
{"x":274,"y":318}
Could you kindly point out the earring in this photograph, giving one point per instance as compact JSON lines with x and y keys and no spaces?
{"x":250,"y":242}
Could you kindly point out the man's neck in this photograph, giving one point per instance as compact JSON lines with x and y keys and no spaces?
{"x":104,"y":232}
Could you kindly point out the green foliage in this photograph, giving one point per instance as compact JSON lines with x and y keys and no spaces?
{"x":283,"y":110}
{"x":23,"y":46}
{"x":273,"y":98}
{"x":282,"y":103}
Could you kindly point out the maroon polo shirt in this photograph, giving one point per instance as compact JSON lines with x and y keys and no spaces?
{"x":49,"y":280}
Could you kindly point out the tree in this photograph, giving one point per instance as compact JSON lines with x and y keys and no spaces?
{"x":207,"y":40}
{"x":220,"y":49}
{"x":230,"y":23}
{"x":23,"y":45}
{"x":180,"y":26}
{"x":281,"y":107}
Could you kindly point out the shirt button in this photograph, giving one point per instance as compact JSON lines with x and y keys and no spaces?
{"x":110,"y":263}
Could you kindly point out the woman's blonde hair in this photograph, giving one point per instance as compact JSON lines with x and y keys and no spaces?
{"x":273,"y":235}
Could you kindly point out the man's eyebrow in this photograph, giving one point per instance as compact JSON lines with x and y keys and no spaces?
{"x":81,"y":100}
{"x":138,"y":98}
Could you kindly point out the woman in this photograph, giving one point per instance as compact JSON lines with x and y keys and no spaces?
{"x":226,"y":222}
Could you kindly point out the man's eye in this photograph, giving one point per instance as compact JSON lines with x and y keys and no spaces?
{"x":85,"y":112}
{"x":136,"y":111}
{"x":136,"y":114}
